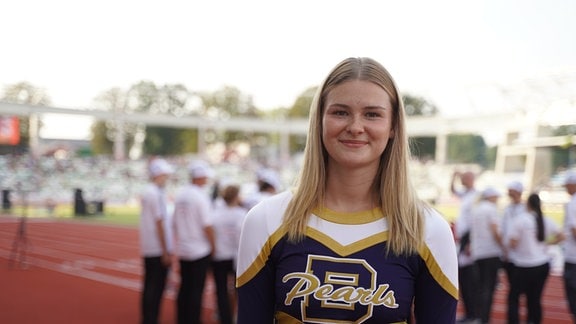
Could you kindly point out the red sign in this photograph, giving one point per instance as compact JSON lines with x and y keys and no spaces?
{"x":9,"y":130}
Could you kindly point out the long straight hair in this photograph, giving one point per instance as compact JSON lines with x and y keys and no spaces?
{"x":535,"y":205}
{"x":391,"y":188}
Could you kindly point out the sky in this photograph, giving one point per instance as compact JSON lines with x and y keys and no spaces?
{"x":454,"y":53}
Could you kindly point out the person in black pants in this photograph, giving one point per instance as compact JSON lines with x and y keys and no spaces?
{"x":530,"y":234}
{"x":155,"y":275}
{"x":228,"y":218}
{"x":467,"y":268}
{"x":192,"y":280}
{"x":468,"y":281}
{"x":155,"y":241}
{"x":192,"y":220}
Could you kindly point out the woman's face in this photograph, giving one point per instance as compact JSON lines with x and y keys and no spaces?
{"x":357,"y":123}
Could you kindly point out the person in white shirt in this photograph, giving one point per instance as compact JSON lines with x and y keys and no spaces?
{"x":569,"y":275}
{"x":194,"y":241}
{"x":511,"y":212}
{"x":268,"y":183}
{"x":467,"y":270}
{"x":486,"y":248}
{"x":227,"y":225}
{"x":514,"y":208}
{"x":530,"y":234}
{"x":155,"y":240}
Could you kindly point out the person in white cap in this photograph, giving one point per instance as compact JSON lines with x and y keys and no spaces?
{"x":570,"y":244}
{"x":530,"y":234}
{"x":511,"y":212}
{"x":486,"y":248}
{"x":155,"y":240}
{"x":269,"y":184}
{"x":194,"y":241}
{"x":467,"y":270}
{"x":514,"y":208}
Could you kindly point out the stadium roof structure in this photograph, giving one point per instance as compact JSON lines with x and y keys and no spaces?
{"x":417,"y":125}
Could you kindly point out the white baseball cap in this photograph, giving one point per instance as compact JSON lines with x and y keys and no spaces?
{"x":490,"y":192}
{"x":159,"y":167}
{"x":570,"y":178}
{"x":516,"y":186}
{"x":270,"y":177}
{"x":200,"y":169}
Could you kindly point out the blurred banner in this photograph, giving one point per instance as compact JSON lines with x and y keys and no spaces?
{"x":9,"y":130}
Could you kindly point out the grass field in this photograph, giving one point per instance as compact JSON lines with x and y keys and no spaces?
{"x":115,"y":214}
{"x":129,"y":214}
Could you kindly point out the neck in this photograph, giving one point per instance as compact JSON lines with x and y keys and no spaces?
{"x":349,"y":190}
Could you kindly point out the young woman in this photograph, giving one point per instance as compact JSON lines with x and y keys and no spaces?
{"x":530,"y":234}
{"x":351,"y":243}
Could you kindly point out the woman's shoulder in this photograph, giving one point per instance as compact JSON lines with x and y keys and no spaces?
{"x":434,"y":219}
{"x":437,"y":227}
{"x":268,"y":213}
{"x":279,"y":200}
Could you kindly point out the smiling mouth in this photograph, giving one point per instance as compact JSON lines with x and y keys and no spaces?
{"x":353,"y":143}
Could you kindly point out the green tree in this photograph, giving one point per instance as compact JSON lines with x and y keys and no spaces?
{"x":147,"y":97}
{"x":171,"y":99}
{"x":418,"y":106}
{"x":564,"y":156}
{"x":466,"y":148}
{"x":104,"y":133}
{"x":225,"y":103}
{"x":24,"y":93}
{"x":100,"y":143}
{"x":423,"y":147}
{"x":301,"y":106}
{"x":156,"y":142}
{"x":301,"y":109}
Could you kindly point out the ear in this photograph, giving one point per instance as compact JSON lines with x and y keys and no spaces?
{"x":391,"y":135}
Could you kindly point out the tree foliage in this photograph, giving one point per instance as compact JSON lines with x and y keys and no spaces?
{"x":225,"y":103}
{"x":423,"y":148}
{"x":105,"y":132}
{"x":301,"y":106}
{"x":170,"y":141}
{"x":147,"y":97}
{"x":564,"y":156}
{"x":175,"y":99}
{"x":466,"y":148}
{"x":301,"y":109}
{"x":418,"y":106}
{"x":24,"y":93}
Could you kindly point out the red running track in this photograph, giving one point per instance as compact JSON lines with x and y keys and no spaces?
{"x":76,"y":271}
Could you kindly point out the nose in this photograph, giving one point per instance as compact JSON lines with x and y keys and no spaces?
{"x":355,"y":125}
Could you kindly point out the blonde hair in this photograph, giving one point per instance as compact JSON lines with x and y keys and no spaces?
{"x":392,"y":189}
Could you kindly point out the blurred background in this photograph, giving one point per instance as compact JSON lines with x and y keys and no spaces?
{"x":90,"y":92}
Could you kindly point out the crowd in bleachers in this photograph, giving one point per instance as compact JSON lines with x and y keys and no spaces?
{"x":53,"y":180}
{"x":49,"y":179}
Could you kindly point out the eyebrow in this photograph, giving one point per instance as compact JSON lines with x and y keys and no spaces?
{"x":374,"y":107}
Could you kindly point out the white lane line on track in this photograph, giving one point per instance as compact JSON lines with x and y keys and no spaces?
{"x":130,"y":266}
{"x":76,"y":269}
